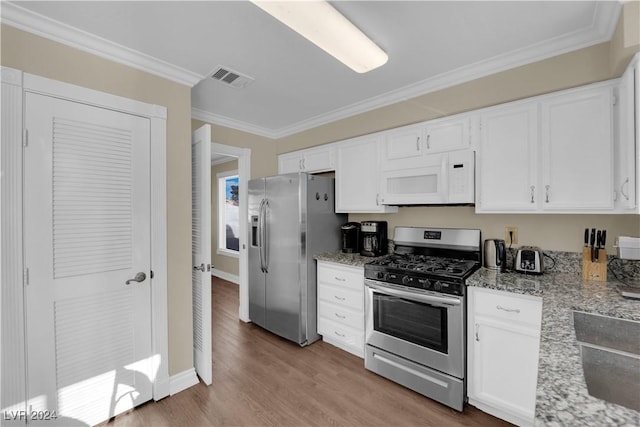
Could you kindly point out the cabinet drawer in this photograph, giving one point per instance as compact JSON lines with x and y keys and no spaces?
{"x":332,"y":274}
{"x":342,"y":315}
{"x":340,"y":334}
{"x":341,"y":295}
{"x":507,"y":306}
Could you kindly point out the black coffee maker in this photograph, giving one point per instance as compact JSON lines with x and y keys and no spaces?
{"x":351,"y":237}
{"x":374,"y":238}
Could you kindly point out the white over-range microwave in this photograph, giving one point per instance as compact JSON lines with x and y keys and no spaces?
{"x":445,"y":178}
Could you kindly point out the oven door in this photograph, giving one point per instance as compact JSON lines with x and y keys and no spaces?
{"x":426,"y":328}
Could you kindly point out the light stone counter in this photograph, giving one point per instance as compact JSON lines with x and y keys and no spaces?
{"x":338,"y":257}
{"x":562,"y":397}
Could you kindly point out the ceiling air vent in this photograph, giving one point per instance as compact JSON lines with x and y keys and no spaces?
{"x":231,"y":78}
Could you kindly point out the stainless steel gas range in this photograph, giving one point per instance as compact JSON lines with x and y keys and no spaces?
{"x":416,"y":313}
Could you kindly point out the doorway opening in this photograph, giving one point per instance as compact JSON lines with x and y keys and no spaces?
{"x":228,"y":263}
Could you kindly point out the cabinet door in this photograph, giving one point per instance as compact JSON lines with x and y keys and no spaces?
{"x":289,"y":163}
{"x":447,"y":134}
{"x":319,"y":160}
{"x":506,"y":176}
{"x":625,"y":147}
{"x":577,"y":150}
{"x":402,"y":147}
{"x":357,"y":176}
{"x":504,"y":367}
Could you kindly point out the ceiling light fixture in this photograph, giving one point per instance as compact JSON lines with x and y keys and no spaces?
{"x":324,"y":26}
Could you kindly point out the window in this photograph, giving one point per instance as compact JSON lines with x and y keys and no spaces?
{"x":228,"y":213}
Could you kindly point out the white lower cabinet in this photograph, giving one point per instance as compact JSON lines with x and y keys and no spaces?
{"x":503,"y":346}
{"x":341,"y":306}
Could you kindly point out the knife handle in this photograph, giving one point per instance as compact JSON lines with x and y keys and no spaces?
{"x":586,"y":237}
{"x":604,"y":239}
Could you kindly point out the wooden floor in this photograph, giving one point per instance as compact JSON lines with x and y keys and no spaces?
{"x":260,"y":379}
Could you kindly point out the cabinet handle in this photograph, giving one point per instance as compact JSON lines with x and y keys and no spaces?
{"x":377,"y":199}
{"x":533,"y":189}
{"x":339,"y":334}
{"x":477,"y":328}
{"x":339,"y":279}
{"x":300,"y":164}
{"x":428,"y":145}
{"x":304,"y":164}
{"x":418,"y":144}
{"x":339,"y":316}
{"x":339,"y":298}
{"x":546,"y":200}
{"x":509,"y":310}
{"x":626,"y":182}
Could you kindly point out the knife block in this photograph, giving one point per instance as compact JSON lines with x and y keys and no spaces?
{"x":594,"y":271}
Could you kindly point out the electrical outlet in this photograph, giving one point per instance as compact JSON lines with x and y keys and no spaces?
{"x":511,"y":236}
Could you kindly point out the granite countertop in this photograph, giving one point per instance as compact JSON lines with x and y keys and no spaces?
{"x":339,"y":257}
{"x":562,"y":397}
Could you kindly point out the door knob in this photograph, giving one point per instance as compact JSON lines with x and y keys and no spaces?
{"x":200,"y":267}
{"x":140,"y":277}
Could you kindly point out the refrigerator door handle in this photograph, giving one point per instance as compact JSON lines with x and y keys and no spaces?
{"x":260,"y":234}
{"x":265,"y":241}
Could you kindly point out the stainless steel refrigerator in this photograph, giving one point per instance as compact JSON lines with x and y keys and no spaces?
{"x":291,"y":218}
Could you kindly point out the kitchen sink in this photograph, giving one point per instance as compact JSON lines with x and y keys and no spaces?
{"x":610,"y":351}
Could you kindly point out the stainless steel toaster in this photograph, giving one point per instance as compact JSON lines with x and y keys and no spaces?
{"x":529,"y":259}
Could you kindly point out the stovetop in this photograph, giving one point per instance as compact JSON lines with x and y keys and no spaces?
{"x":432,"y":273}
{"x":428,"y":264}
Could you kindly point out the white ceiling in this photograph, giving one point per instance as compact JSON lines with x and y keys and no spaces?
{"x":431,"y":45}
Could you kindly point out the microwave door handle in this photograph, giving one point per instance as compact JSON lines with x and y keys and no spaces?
{"x":429,"y":299}
{"x":444,"y":175}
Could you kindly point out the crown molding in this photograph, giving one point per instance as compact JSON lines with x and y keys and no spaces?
{"x":26,"y":20}
{"x":219,"y":120}
{"x":601,"y":30}
{"x":11,"y":76}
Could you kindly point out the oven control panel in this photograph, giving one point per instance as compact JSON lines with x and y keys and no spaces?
{"x":413,"y":281}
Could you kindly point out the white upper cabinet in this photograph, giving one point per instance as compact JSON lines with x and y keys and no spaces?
{"x":549,"y":154}
{"x":402,"y":146}
{"x":451,"y":133}
{"x":627,"y":148}
{"x":406,"y":147}
{"x":507,"y":159}
{"x":358,"y":176}
{"x":577,"y":150}
{"x":312,"y":160}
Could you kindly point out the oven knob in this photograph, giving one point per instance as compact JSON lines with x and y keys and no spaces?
{"x":405,"y":280}
{"x":427,"y":284}
{"x":437,"y":286}
{"x":380,"y":275}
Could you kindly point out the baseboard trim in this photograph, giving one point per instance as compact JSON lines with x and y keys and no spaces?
{"x":182,"y":381}
{"x":226,"y":276}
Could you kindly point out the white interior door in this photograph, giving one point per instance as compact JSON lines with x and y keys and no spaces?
{"x":87,"y":233}
{"x":201,"y":250}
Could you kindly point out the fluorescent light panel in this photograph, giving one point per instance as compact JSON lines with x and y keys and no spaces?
{"x":324,"y":26}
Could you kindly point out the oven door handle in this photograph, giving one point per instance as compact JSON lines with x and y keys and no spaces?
{"x":429,"y":299}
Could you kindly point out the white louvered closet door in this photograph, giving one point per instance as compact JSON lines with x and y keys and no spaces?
{"x":201,"y":250}
{"x":87,"y":231}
